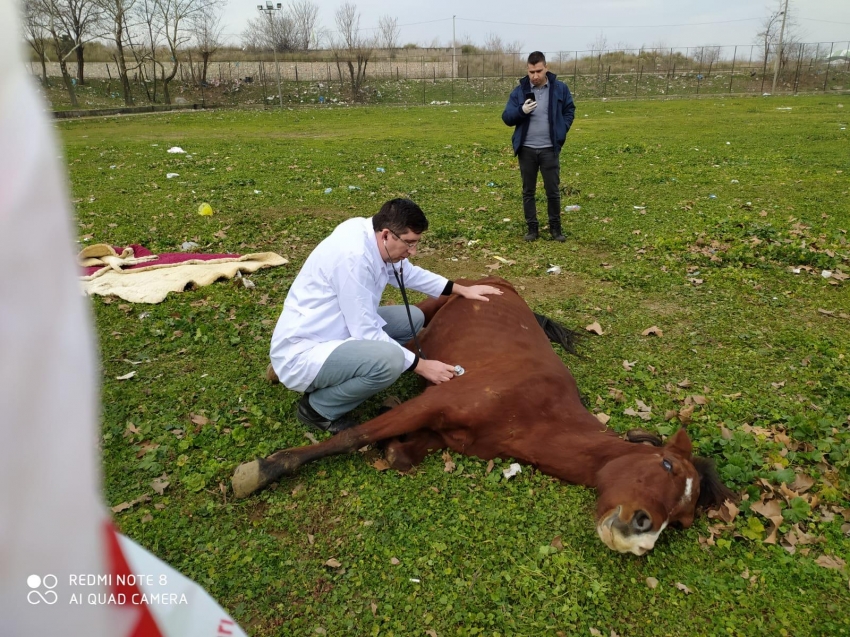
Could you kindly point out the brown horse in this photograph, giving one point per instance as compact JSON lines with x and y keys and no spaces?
{"x":518,"y":400}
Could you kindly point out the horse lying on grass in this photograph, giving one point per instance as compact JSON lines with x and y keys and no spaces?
{"x":518,"y":400}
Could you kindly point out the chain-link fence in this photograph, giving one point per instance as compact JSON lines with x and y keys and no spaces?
{"x":423,"y":77}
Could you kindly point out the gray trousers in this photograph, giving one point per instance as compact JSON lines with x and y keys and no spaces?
{"x":357,"y":370}
{"x":546,"y":162}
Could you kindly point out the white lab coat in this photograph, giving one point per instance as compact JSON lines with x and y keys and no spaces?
{"x":335,"y":299}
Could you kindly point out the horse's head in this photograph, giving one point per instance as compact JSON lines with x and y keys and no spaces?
{"x":641,"y":492}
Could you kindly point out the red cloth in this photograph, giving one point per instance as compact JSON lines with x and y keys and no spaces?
{"x":168,"y":258}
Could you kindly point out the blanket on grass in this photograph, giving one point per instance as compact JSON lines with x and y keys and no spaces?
{"x":135,"y":274}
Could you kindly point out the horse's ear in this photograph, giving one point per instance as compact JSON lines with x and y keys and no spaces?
{"x":680,"y":442}
{"x":712,"y":491}
{"x":639,"y":436}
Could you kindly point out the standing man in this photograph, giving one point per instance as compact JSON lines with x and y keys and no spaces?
{"x":332,"y":341}
{"x":542,"y":110}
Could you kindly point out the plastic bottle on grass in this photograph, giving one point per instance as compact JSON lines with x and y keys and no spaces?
{"x":572,"y":208}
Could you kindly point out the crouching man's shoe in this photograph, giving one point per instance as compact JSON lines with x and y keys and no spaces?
{"x":312,"y":418}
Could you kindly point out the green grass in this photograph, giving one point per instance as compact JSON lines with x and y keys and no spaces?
{"x":759,"y":189}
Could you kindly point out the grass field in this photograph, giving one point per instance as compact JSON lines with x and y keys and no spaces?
{"x":694,"y":216}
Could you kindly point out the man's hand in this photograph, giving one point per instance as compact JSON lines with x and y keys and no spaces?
{"x":475,"y":292}
{"x":528,"y":106}
{"x":435,"y":371}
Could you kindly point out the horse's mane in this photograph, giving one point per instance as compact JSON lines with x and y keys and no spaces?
{"x":559,"y":334}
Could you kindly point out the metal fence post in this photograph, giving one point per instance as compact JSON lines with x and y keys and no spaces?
{"x":732,"y":75}
{"x":828,"y":62}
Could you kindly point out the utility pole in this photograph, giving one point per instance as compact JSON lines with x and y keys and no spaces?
{"x":269,"y":8}
{"x":779,"y":52}
{"x":454,"y":46}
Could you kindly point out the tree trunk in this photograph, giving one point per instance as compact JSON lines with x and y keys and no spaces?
{"x":122,"y":70}
{"x":206,"y":58}
{"x":44,"y":71}
{"x":167,"y":78}
{"x":68,"y":83}
{"x":80,"y":63}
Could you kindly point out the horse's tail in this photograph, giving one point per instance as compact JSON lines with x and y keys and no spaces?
{"x":557,"y":333}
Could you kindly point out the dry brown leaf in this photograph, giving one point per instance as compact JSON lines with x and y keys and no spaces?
{"x":489,"y":469}
{"x":670,"y":414}
{"x":802,"y":483}
{"x":127,"y":376}
{"x":595,"y":632}
{"x":595,"y":328}
{"x":830,"y":561}
{"x":652,"y":331}
{"x":431,"y":633}
{"x":198,"y":419}
{"x":333,"y":563}
{"x":311,"y":438}
{"x":699,"y":400}
{"x":617,"y":395}
{"x":685,"y":414}
{"x":683,"y":588}
{"x":449,"y":463}
{"x":603,"y":418}
{"x":381,"y":465}
{"x":311,"y":539}
{"x":684,"y":384}
{"x":131,"y":429}
{"x":651,"y":582}
{"x":628,"y":365}
{"x":728,"y":511}
{"x":733,"y":396}
{"x":556,"y":542}
{"x":493,"y":266}
{"x":778,"y":385}
{"x":147,"y":517}
{"x":159,"y":484}
{"x":395,"y":561}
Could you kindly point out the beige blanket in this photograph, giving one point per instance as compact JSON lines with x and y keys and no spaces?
{"x":151,"y":284}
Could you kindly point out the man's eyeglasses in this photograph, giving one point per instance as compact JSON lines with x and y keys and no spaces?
{"x":411,"y":245}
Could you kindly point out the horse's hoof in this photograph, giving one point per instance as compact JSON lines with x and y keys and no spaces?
{"x":396,"y":458}
{"x":246,"y":479}
{"x":271,"y":375}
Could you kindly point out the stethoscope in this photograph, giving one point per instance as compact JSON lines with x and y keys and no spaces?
{"x":399,"y":277}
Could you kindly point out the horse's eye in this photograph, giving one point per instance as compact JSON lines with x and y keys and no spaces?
{"x":668,"y":466}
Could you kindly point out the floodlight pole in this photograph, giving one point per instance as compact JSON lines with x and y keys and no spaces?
{"x":779,"y":53}
{"x":454,"y":47}
{"x":268,"y":11}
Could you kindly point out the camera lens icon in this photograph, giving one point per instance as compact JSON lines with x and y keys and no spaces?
{"x":36,"y":596}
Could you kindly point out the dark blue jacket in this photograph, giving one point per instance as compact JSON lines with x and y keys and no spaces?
{"x":562,"y":111}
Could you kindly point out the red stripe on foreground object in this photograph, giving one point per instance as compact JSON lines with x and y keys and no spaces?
{"x":145,"y":626}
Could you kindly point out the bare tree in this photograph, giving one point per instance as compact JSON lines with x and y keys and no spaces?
{"x":175,"y":16}
{"x":304,"y":15}
{"x":116,"y":15}
{"x":599,"y":44}
{"x":388,"y":33}
{"x":271,"y":31}
{"x":493,"y":43}
{"x":143,"y":40}
{"x":62,"y":42}
{"x":351,"y":49}
{"x":768,"y":36}
{"x":206,"y":28}
{"x":80,"y":19}
{"x":36,"y":34}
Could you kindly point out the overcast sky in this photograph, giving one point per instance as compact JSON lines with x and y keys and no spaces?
{"x":570,"y":25}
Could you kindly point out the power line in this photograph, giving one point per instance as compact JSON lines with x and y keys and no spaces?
{"x":610,"y":26}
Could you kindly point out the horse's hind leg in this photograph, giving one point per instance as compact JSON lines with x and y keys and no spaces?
{"x":409,"y":452}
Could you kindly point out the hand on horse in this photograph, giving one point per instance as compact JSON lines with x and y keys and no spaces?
{"x":435,"y":371}
{"x":475,"y":292}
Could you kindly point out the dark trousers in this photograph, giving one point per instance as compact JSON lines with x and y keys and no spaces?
{"x":544,"y":161}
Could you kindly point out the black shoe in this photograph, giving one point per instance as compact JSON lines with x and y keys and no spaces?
{"x":532,"y":235}
{"x":557,"y":236}
{"x":312,"y":418}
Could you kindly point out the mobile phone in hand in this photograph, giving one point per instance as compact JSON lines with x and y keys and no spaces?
{"x":530,"y":96}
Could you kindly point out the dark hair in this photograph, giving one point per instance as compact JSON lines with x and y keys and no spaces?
{"x":536,"y":57}
{"x":399,"y":216}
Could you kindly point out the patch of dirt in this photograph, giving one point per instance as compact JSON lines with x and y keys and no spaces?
{"x":531,"y":288}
